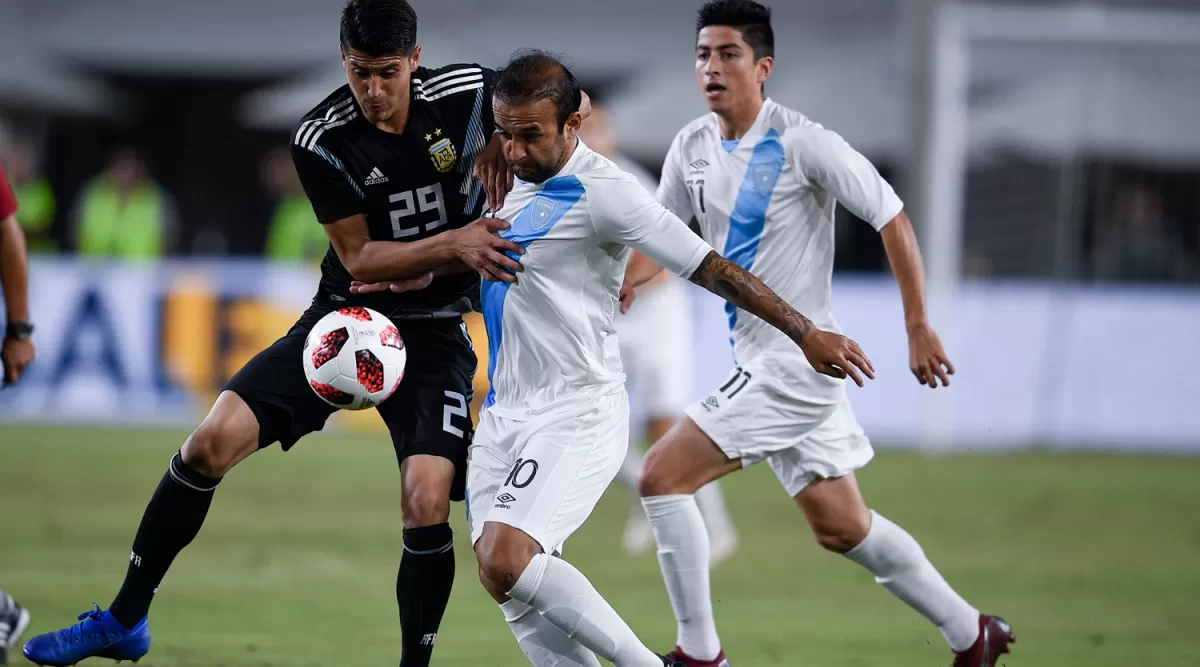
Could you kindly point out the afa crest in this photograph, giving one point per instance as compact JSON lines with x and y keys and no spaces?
{"x":443,"y":155}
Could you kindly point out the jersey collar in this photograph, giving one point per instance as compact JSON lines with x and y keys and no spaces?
{"x":752,"y":135}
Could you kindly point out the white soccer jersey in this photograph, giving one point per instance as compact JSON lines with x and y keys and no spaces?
{"x":766,"y":201}
{"x":551,"y":337}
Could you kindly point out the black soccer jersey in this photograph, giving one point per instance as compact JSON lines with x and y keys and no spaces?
{"x":410,"y":186}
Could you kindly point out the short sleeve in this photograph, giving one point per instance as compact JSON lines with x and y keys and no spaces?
{"x":327,"y":185}
{"x":8,"y":200}
{"x":827,"y":161}
{"x":623,"y":212}
{"x":673,"y":192}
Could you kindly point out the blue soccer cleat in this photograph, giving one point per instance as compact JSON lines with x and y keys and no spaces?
{"x":96,"y":635}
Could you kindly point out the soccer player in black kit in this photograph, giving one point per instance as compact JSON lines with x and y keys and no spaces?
{"x":389,"y":163}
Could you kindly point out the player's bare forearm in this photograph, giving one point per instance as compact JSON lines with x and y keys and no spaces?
{"x":640,"y":270}
{"x":904,"y":254}
{"x":14,"y":269}
{"x":378,"y":261}
{"x":926,"y":357}
{"x":741,"y":288}
{"x":369,"y":261}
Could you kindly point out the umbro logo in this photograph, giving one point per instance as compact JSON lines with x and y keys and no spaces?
{"x":710,"y":403}
{"x":698,"y":165}
{"x":375,"y":177}
{"x":504,"y":500}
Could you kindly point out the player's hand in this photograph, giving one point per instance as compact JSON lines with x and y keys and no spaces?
{"x":407,"y":285}
{"x":926,"y":358}
{"x":16,"y":355}
{"x":479,"y":246}
{"x":491,"y":168}
{"x":627,"y":296}
{"x":837,"y":356}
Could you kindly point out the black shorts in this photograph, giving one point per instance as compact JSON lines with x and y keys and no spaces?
{"x":428,"y":414}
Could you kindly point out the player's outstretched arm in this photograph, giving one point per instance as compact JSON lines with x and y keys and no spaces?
{"x":828,"y":353}
{"x":926,"y":358}
{"x":475,"y":245}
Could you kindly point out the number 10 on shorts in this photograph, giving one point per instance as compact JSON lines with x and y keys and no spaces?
{"x":522,"y":474}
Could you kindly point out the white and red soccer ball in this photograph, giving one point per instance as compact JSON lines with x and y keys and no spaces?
{"x":354,"y":358}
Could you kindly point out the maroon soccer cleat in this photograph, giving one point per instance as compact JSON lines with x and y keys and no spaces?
{"x":688,"y":661}
{"x":995,"y":634}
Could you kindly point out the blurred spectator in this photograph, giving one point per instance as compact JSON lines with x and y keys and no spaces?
{"x":34,"y":195}
{"x":294,"y":231}
{"x":122,"y":213}
{"x":1140,"y":247}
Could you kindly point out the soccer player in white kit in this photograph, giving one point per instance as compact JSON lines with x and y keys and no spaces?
{"x":555,"y":427}
{"x":656,"y":353}
{"x":763,"y":180}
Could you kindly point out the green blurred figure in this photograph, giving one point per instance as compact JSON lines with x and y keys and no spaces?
{"x":123,"y":213}
{"x":294,"y":233}
{"x":34,"y":196}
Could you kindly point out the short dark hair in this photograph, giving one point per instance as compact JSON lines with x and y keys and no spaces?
{"x":379,"y":27}
{"x":750,"y":18}
{"x":533,"y":75}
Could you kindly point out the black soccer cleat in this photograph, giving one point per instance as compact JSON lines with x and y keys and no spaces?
{"x":13,"y":620}
{"x":668,"y":662}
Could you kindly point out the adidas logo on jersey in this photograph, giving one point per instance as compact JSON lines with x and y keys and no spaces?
{"x":375,"y":177}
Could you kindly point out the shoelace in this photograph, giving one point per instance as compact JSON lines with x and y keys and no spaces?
{"x":75,"y":633}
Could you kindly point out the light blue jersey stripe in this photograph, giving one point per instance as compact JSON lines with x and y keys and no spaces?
{"x":749,"y":215}
{"x":533,"y":222}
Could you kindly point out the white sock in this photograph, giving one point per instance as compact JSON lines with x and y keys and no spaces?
{"x":899,"y":564}
{"x":683,"y":557}
{"x":711,"y":501}
{"x":567,"y":600}
{"x":544,"y":644}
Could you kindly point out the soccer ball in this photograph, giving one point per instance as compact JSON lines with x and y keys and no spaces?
{"x":354,"y":358}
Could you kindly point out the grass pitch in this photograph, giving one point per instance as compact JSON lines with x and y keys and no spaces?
{"x":1094,"y":559}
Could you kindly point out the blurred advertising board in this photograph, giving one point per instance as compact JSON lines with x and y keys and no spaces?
{"x":1038,"y":364}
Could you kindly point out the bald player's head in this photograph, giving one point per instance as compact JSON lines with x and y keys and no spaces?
{"x":535,"y":102}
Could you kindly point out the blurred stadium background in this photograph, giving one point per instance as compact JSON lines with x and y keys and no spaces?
{"x":1050,"y":159}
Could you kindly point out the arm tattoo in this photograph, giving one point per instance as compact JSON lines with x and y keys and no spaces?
{"x":741,"y":288}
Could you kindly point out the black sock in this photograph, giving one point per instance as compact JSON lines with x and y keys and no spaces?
{"x":172,"y":519}
{"x":423,"y":589}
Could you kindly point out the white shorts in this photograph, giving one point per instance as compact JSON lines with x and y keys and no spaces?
{"x":757,"y":413}
{"x":656,"y":349}
{"x":545,"y":475}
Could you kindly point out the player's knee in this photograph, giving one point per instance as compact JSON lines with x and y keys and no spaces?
{"x":212,"y":450}
{"x":502,"y":559}
{"x":657,"y":479}
{"x":498,"y":593}
{"x":425,"y":504}
{"x":842,"y":535}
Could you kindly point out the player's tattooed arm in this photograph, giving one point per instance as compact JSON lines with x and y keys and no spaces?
{"x":828,"y":353}
{"x":744,"y":290}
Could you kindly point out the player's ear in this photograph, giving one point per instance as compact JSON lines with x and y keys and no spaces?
{"x":574,"y":121}
{"x":764,"y":67}
{"x":416,"y":57}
